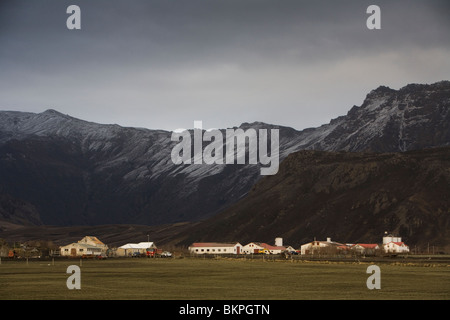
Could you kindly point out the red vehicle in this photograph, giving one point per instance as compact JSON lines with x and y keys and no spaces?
{"x":153,"y":252}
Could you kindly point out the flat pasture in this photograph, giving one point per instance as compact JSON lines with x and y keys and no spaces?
{"x":221,"y":279}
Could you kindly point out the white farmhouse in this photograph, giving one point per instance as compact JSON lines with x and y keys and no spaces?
{"x":320,"y":247}
{"x":395,"y":247}
{"x":252,"y":248}
{"x":215,"y":248}
{"x":258,"y":247}
{"x":130,"y":249}
{"x":88,"y":246}
{"x":394,"y":244}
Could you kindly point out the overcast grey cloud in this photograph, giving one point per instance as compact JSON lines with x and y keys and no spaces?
{"x":163,"y":64}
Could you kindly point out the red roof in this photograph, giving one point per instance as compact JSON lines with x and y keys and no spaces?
{"x":398,"y":243}
{"x":269,"y":247}
{"x":368,"y":245}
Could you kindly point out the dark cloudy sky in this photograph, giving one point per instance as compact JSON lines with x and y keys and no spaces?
{"x":162,"y":64}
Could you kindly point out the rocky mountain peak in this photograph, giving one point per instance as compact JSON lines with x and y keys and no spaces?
{"x":52,"y":112}
{"x":381,"y":91}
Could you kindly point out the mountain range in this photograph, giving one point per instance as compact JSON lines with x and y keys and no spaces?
{"x":56,"y":170}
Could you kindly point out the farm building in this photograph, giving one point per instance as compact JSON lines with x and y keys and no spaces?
{"x":394,"y":244}
{"x":273,"y":249}
{"x":327,"y":246}
{"x":259,"y":247}
{"x":366,"y":248}
{"x":395,"y":247}
{"x":130,"y":249}
{"x":88,"y":246}
{"x":391,"y":238}
{"x":93,"y":241}
{"x":290,"y":249}
{"x":252,"y":247}
{"x":215,"y":248}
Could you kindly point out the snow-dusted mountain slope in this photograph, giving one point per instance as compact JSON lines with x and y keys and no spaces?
{"x":414,"y":117}
{"x":78,"y":172}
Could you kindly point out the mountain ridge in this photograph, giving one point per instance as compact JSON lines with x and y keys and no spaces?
{"x":69,"y":171}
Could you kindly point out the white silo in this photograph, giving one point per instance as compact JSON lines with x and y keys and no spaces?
{"x":391,"y":238}
{"x":278,"y":242}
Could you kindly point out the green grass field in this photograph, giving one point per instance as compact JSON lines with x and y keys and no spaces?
{"x":220,"y":279}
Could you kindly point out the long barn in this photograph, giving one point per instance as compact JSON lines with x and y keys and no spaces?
{"x":215,"y":248}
